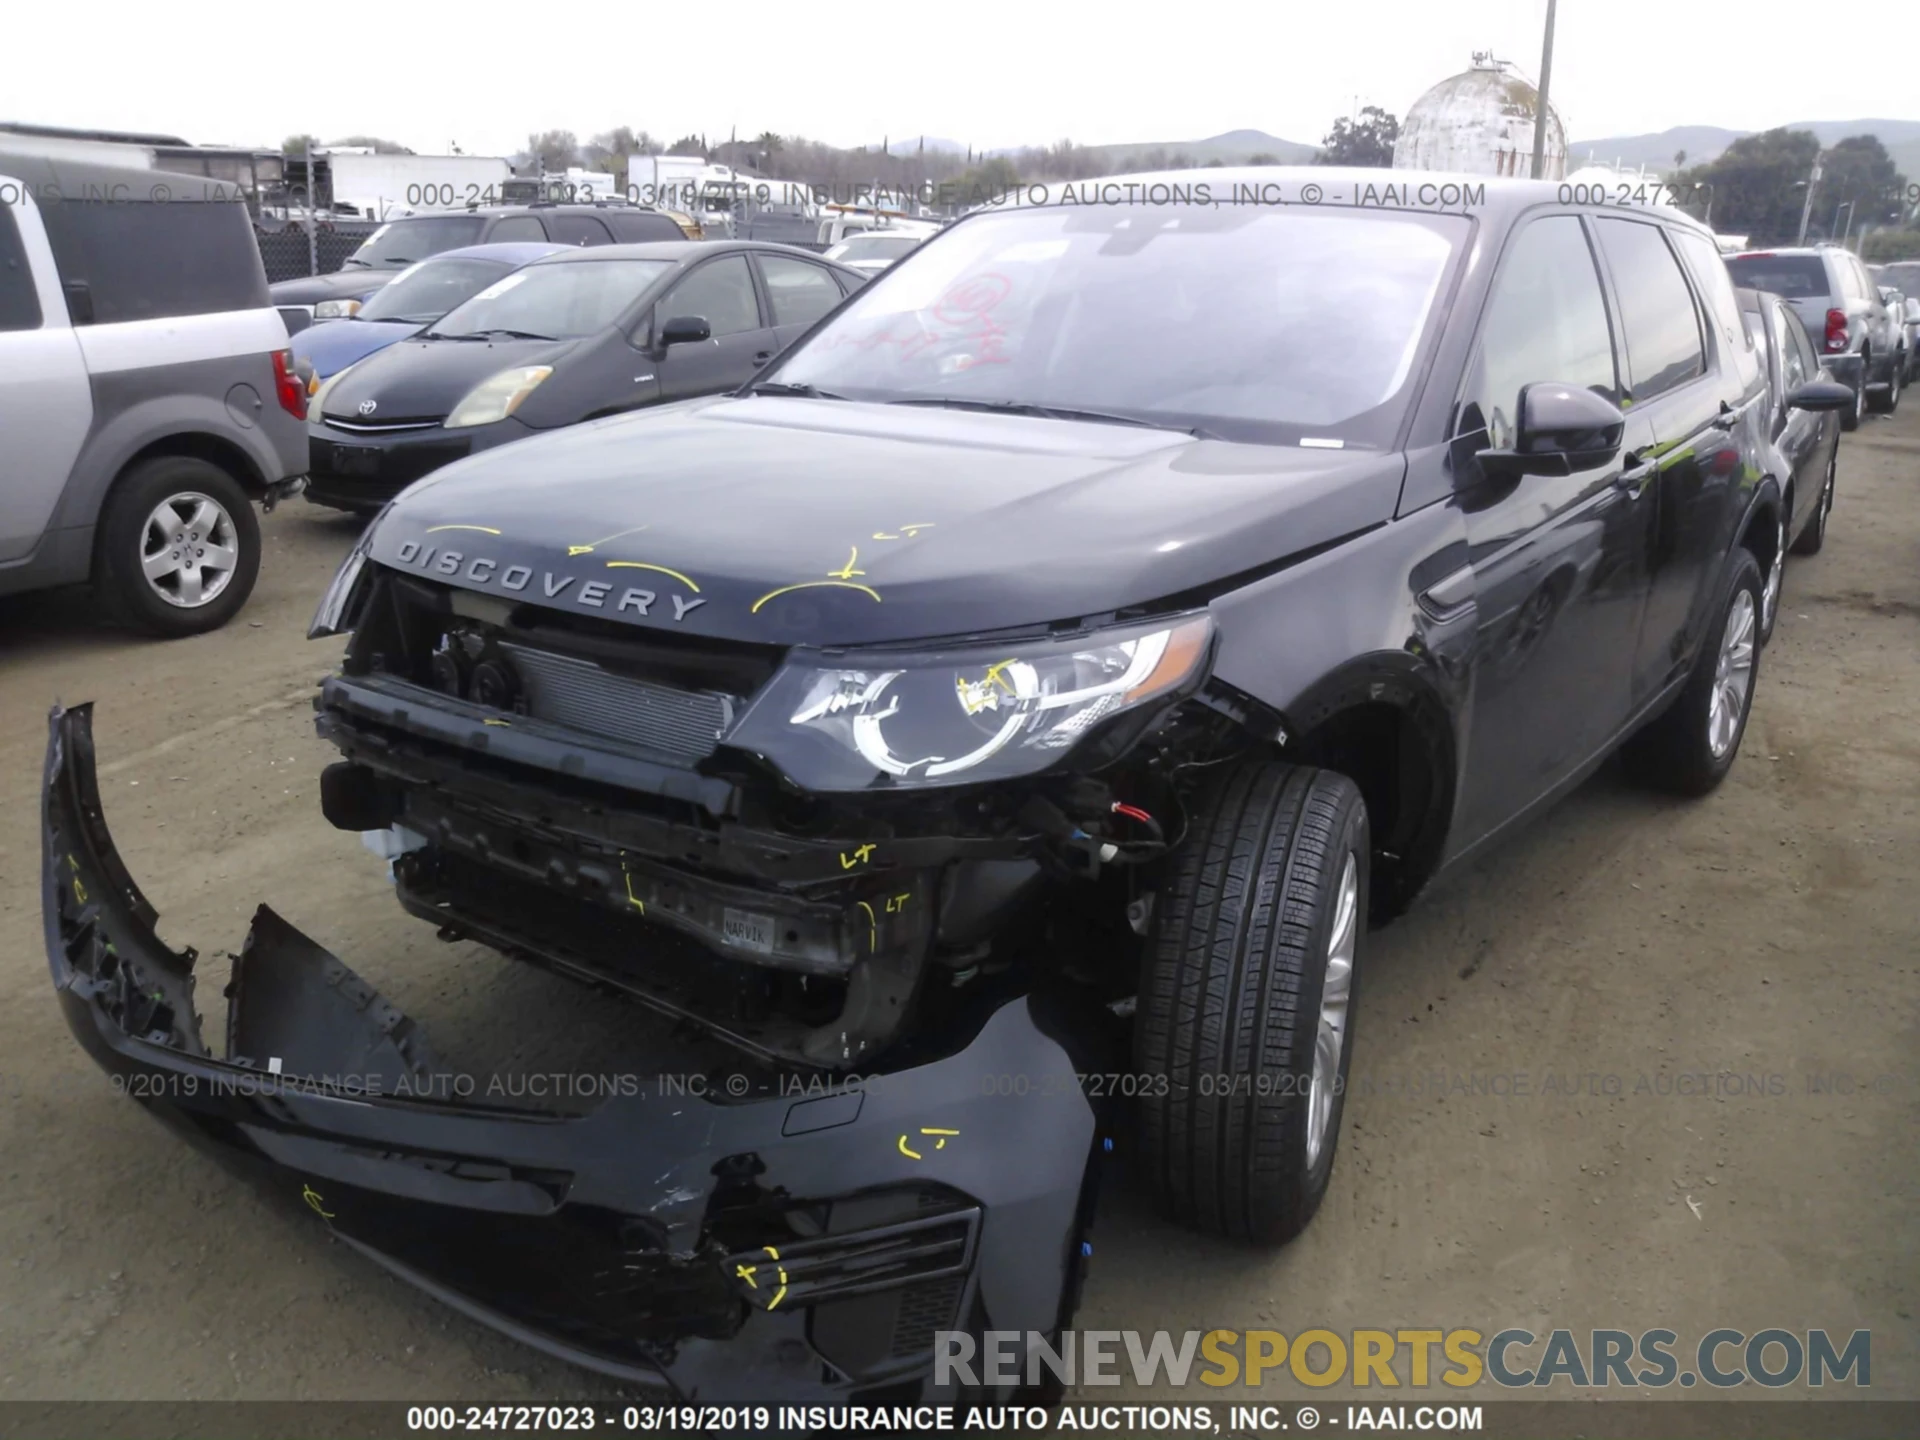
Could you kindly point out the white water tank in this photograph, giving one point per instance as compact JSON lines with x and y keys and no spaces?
{"x":1479,"y":122}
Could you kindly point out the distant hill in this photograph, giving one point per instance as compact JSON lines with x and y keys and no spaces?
{"x":1235,"y":147}
{"x":1706,"y":142}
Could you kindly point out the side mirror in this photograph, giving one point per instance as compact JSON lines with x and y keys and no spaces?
{"x":1563,"y":428}
{"x":1821,"y":395}
{"x":684,"y":330}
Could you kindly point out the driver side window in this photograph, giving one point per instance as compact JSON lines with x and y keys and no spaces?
{"x":721,"y":292}
{"x":1546,"y":320}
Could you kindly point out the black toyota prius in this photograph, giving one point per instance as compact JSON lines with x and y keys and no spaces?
{"x":587,"y":334}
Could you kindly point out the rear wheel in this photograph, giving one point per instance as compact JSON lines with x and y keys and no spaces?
{"x":1246,"y":1005}
{"x":179,"y":547}
{"x":1691,"y":746}
{"x":1815,"y":535}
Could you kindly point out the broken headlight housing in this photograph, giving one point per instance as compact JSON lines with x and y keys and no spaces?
{"x":959,"y":717}
{"x":337,"y":610}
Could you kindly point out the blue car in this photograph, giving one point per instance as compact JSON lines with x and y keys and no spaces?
{"x":413,"y":300}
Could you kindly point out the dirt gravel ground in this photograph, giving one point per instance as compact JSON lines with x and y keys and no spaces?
{"x":1766,"y":939}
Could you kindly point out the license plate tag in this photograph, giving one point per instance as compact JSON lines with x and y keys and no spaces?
{"x":356,"y":460}
{"x":747,"y":930}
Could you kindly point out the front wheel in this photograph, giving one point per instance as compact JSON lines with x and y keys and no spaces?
{"x":1245,"y":1015}
{"x":1851,"y":417}
{"x":1815,"y":535}
{"x":1888,"y":400}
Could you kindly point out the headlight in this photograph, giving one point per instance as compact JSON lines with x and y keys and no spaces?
{"x":336,"y":309}
{"x":336,"y":613}
{"x":963,"y":716}
{"x":317,"y":399}
{"x":498,"y":396}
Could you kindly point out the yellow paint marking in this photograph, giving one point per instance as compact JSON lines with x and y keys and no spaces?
{"x":587,"y":549}
{"x":781,"y":1293}
{"x":643,"y":565}
{"x":898,"y":903}
{"x":746,"y":1273}
{"x":909,"y":1153}
{"x":483,"y":529}
{"x":507,"y":723}
{"x":866,"y":590}
{"x":873,"y":933}
{"x":906,"y":531}
{"x":847,"y":572}
{"x":632,"y":899}
{"x":318,"y":1206}
{"x":860,"y":857}
{"x":79,"y":890}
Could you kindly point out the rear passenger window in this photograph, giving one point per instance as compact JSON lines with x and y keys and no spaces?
{"x":1656,"y":309}
{"x":1546,"y":321}
{"x":578,"y":230}
{"x":515,"y":227}
{"x":19,"y":304}
{"x":720,"y":292}
{"x":801,"y":293}
{"x":151,"y":260}
{"x":634,"y":228}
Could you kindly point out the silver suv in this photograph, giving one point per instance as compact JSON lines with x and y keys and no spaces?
{"x":147,"y":394}
{"x":1857,"y":337}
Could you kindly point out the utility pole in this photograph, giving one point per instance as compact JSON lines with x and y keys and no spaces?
{"x":1806,"y":210}
{"x":1542,"y":116}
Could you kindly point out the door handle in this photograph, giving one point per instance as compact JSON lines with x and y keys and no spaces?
{"x":763,"y":357}
{"x":1636,"y":472}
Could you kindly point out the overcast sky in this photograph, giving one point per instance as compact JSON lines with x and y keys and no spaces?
{"x":985,"y":72}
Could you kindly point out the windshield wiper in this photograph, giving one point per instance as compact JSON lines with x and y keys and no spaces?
{"x":509,"y":334}
{"x":787,"y":387}
{"x":1048,"y":412}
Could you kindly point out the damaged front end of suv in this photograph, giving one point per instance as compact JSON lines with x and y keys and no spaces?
{"x":759,"y":1236}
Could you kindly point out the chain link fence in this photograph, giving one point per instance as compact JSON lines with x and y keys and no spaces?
{"x":285,"y":250}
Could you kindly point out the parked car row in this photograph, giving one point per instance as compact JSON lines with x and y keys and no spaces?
{"x":1861,"y":337}
{"x":400,"y":243}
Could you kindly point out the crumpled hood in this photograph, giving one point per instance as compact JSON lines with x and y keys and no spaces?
{"x":819,"y":522}
{"x":425,"y":379}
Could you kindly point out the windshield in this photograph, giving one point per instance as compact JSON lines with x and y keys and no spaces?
{"x":401,"y":242}
{"x":1795,"y":277}
{"x":560,"y":300}
{"x":873,"y":247}
{"x":429,"y":290}
{"x":1251,"y":323}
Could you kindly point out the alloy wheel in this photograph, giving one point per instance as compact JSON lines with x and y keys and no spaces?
{"x":1335,"y":991}
{"x":189,"y":549}
{"x":1732,"y":675}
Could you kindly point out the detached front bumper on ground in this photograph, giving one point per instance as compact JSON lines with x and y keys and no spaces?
{"x":793,"y":1242}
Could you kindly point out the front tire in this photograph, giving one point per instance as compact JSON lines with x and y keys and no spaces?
{"x":1815,"y":535}
{"x":1850,"y":418}
{"x":179,"y":547}
{"x":1692,"y":745}
{"x":1888,"y":400}
{"x":1246,"y":1010}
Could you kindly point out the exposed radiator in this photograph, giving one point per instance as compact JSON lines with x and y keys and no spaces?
{"x":672,"y":724}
